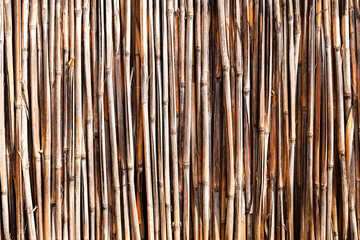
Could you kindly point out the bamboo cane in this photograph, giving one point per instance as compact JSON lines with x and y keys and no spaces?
{"x":144,"y":110}
{"x":159,"y":119}
{"x":173,"y":128}
{"x":100,"y":93}
{"x":66,"y":114}
{"x":58,"y":156}
{"x":3,"y":168}
{"x":153,"y":142}
{"x":78,"y":117}
{"x":71,"y":122}
{"x":225,"y":67}
{"x":188,"y":110}
{"x":129,"y":137}
{"x":24,"y":152}
{"x":317,"y":119}
{"x":330,"y":115}
{"x":35,"y":114}
{"x":89,"y":115}
{"x":239,"y":164}
{"x":18,"y":106}
{"x":205,"y":127}
{"x":340,"y":116}
{"x":111,"y":109}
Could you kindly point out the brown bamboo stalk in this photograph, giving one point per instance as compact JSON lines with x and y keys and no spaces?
{"x":71,"y":121}
{"x":89,"y":115}
{"x":11,"y":99}
{"x":35,"y":114}
{"x":84,"y":179}
{"x":78,"y":117}
{"x":24,"y":152}
{"x":129,"y":137}
{"x":58,"y":145}
{"x":194,"y":168}
{"x":350,"y":125}
{"x":3,"y":168}
{"x":66,"y":114}
{"x":100,"y":93}
{"x":166,"y":122}
{"x":323,"y":145}
{"x":330,"y":115}
{"x":111,"y":109}
{"x":261,"y":160}
{"x":239,"y":164}
{"x":205,"y":123}
{"x":317,"y":118}
{"x":247,"y":119}
{"x":357,"y":9}
{"x":173,"y":126}
{"x":152,"y":113}
{"x":346,"y":56}
{"x":188,"y":110}
{"x":340,"y":116}
{"x":309,"y":207}
{"x":230,"y":173}
{"x":7,"y":22}
{"x":145,"y":115}
{"x":18,"y":106}
{"x":292,"y":112}
{"x":159,"y":119}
